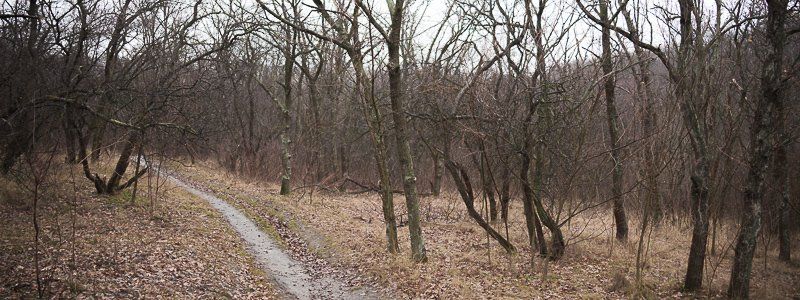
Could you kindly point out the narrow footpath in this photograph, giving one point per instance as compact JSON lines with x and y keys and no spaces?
{"x":290,"y":275}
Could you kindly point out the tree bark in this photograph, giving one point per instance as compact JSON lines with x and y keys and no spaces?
{"x":534,"y":227}
{"x":692,"y":115}
{"x":557,"y":243}
{"x":396,"y":96}
{"x":609,"y":86}
{"x":488,"y":183}
{"x":760,"y":150}
{"x":505,"y":192}
{"x":286,"y":116}
{"x":781,"y":178}
{"x":438,"y":168}
{"x":461,"y":179}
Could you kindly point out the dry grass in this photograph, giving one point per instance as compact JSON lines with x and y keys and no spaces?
{"x":103,"y":247}
{"x":463,"y":266}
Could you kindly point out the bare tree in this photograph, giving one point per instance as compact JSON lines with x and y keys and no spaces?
{"x":609,"y":87}
{"x":761,"y":132}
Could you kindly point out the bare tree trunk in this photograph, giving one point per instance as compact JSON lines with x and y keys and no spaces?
{"x":136,"y":171}
{"x":505,"y":193}
{"x":531,"y":218}
{"x":123,"y":162}
{"x":613,"y":131}
{"x":374,"y":120}
{"x":781,"y":177}
{"x":386,"y":195}
{"x":69,"y":135}
{"x":464,"y":187}
{"x":396,"y":95}
{"x":488,"y":183}
{"x":692,"y":115}
{"x":286,"y":116}
{"x":699,"y":198}
{"x":557,"y":243}
{"x":438,"y":168}
{"x":760,"y":149}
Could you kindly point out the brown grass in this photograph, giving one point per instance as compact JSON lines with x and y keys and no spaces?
{"x":463,"y":266}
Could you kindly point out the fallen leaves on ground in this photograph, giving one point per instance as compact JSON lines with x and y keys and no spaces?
{"x":349,"y":234}
{"x":102,"y":247}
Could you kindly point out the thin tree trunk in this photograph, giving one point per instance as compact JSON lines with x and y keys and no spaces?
{"x":438,"y":168}
{"x":138,"y":165}
{"x":286,"y":119}
{"x":557,"y":243}
{"x":488,"y":183}
{"x":692,"y":115}
{"x":123,"y":162}
{"x":461,"y":179}
{"x":620,"y":219}
{"x":534,"y":227}
{"x":781,"y":177}
{"x":505,"y":193}
{"x":374,"y":120}
{"x":396,"y":96}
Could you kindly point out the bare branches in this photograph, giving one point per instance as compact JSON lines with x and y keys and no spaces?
{"x":15,"y":16}
{"x":633,"y":38}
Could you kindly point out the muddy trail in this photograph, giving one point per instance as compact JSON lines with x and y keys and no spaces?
{"x":294,"y":278}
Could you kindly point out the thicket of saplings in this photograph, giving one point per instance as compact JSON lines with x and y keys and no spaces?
{"x":680,"y":114}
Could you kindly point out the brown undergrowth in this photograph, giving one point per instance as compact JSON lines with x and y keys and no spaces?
{"x":91,"y":246}
{"x":464,"y":264}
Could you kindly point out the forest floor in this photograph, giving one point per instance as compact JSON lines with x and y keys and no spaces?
{"x":344,"y":235}
{"x":176,"y":246}
{"x":296,"y":278}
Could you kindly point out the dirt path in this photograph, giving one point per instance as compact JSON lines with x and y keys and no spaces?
{"x":291,"y":275}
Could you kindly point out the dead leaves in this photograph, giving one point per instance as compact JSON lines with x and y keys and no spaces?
{"x":185,"y":250}
{"x":459,"y":265}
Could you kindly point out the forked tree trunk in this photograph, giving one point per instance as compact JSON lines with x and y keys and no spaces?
{"x":374,"y":118}
{"x":487,"y":184}
{"x":557,"y":244}
{"x":534,"y":227}
{"x":113,"y":185}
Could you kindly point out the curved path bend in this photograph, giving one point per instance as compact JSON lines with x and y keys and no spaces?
{"x":291,"y":275}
